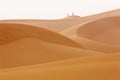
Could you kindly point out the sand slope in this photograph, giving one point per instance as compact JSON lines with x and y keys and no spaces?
{"x":54,"y":25}
{"x":101,"y":58}
{"x":102,"y":15}
{"x":22,"y":45}
{"x":101,"y":35}
{"x":106,"y":30}
{"x":76,"y":49}
{"x":10,"y":32}
{"x":29,"y":51}
{"x":107,"y":69}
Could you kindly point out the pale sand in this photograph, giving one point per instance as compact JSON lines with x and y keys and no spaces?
{"x":53,"y":25}
{"x":86,"y":49}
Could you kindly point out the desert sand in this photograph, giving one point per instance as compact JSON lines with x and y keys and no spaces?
{"x":97,"y":34}
{"x":53,"y":25}
{"x":72,"y":48}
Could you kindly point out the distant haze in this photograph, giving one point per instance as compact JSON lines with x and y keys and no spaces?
{"x":53,"y":9}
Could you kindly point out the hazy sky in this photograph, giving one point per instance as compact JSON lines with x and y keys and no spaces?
{"x":51,"y":9}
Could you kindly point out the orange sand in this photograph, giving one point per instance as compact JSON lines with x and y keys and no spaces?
{"x":72,"y":48}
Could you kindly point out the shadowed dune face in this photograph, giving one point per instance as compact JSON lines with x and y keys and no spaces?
{"x":10,"y":32}
{"x":106,"y":31}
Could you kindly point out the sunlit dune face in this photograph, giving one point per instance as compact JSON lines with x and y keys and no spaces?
{"x":105,"y":30}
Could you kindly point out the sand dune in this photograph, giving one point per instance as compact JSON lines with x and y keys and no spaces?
{"x":103,"y":71}
{"x":102,"y":15}
{"x":31,"y":51}
{"x":10,"y":32}
{"x":72,"y":48}
{"x":97,"y":70}
{"x":54,"y":25}
{"x":101,"y":58}
{"x":26,"y":45}
{"x":105,"y":30}
{"x":65,"y":23}
{"x":101,"y":35}
{"x":91,"y":18}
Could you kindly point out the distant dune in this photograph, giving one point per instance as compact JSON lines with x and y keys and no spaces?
{"x":53,"y":25}
{"x":99,"y":35}
{"x":106,"y":30}
{"x":72,"y":48}
{"x":10,"y":32}
{"x":103,"y":15}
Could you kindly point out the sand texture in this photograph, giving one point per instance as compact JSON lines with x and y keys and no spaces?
{"x":72,"y":48}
